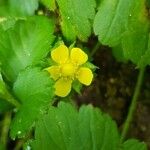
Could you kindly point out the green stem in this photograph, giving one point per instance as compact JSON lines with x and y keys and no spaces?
{"x":9,"y":98}
{"x":19,"y":144}
{"x":133,"y":104}
{"x":95,"y":49}
{"x":5,"y":129}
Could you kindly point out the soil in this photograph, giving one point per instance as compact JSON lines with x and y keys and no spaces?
{"x":112,"y":92}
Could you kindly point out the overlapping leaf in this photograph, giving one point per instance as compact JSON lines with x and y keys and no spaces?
{"x":24,"y":44}
{"x":65,"y":128}
{"x":135,"y":41}
{"x":127,"y":24}
{"x":134,"y":145}
{"x":77,"y":17}
{"x":34,"y":88}
{"x":111,"y":20}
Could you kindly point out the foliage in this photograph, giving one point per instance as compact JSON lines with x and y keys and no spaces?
{"x":30,"y":31}
{"x":65,"y":128}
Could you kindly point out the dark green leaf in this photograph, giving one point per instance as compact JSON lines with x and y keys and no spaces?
{"x":27,"y":43}
{"x":117,"y":52}
{"x":34,"y":88}
{"x":4,"y":106}
{"x":136,"y":38}
{"x":65,"y":128}
{"x":145,"y":59}
{"x":134,"y":145}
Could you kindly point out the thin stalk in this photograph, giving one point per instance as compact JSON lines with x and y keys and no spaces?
{"x":5,"y":129}
{"x":19,"y":144}
{"x":133,"y":104}
{"x":95,"y":49}
{"x":9,"y":98}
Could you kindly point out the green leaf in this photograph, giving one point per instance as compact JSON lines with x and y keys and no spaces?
{"x":145,"y":58}
{"x":134,"y":145}
{"x":50,"y":4}
{"x":136,"y":38}
{"x":117,"y":52}
{"x":135,"y":45}
{"x":111,"y":20}
{"x":18,"y":7}
{"x":65,"y":128}
{"x":25,"y":44}
{"x":77,"y":86}
{"x":34,"y":88}
{"x":6,"y":23}
{"x":77,"y":17}
{"x":130,"y":29}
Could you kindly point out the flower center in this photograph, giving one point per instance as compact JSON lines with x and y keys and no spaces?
{"x":68,"y":70}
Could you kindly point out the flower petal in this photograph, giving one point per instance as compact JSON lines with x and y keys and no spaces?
{"x":54,"y":72}
{"x":85,"y":75}
{"x":78,"y":56}
{"x":60,"y":54}
{"x":63,"y":87}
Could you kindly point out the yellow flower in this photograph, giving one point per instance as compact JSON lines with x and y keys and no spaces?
{"x":69,"y":67}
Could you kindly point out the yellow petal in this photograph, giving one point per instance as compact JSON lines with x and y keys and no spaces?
{"x":85,"y":75}
{"x":63,"y":87}
{"x":54,"y":72}
{"x":60,"y":54}
{"x":78,"y":56}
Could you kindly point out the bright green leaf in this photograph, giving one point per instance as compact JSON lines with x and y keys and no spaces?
{"x":77,"y":17}
{"x":6,"y":23}
{"x":26,"y":43}
{"x":65,"y":128}
{"x":34,"y":88}
{"x":134,"y":145}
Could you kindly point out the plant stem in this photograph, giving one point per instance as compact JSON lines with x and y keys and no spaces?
{"x":95,"y":49}
{"x":133,"y":104}
{"x":19,"y":144}
{"x":22,"y":141}
{"x":5,"y":129}
{"x":9,"y":98}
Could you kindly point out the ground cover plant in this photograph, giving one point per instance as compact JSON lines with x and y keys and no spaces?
{"x":74,"y":74}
